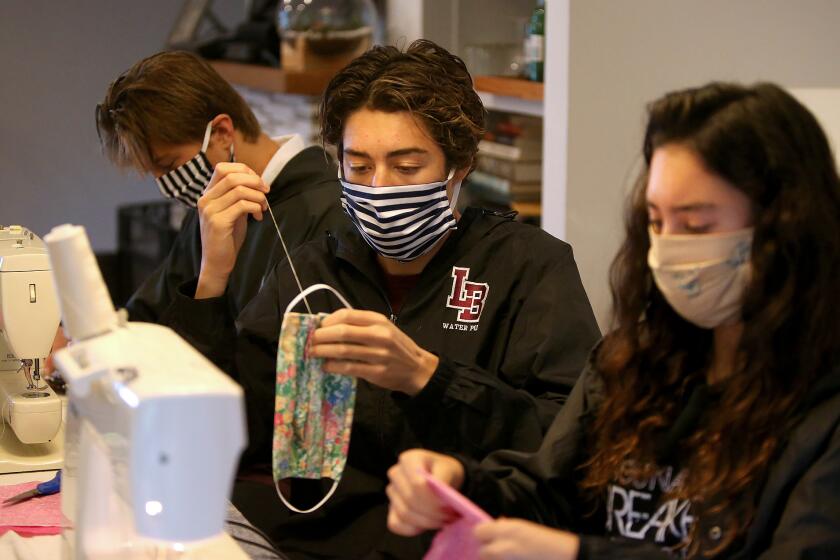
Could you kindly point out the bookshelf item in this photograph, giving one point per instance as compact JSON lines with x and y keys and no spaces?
{"x":509,"y":87}
{"x":499,"y":189}
{"x":527,"y":209}
{"x":306,"y":51}
{"x":325,"y":35}
{"x":528,"y":150}
{"x":523,"y":171}
{"x":273,"y":80}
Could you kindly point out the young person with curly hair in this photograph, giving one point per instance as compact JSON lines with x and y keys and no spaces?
{"x":706,"y":424}
{"x":468,"y":332}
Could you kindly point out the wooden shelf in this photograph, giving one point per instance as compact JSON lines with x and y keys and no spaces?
{"x":527,"y":209}
{"x":496,"y":92}
{"x":273,"y":80}
{"x":509,"y":87}
{"x":510,"y":94}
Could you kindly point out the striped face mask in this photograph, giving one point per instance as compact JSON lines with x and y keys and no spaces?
{"x":188,"y":181}
{"x":401,"y":222}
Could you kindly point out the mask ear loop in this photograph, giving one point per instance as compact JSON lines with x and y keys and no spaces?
{"x":296,"y":300}
{"x":206,"y":141}
{"x":314,"y":288}
{"x":456,"y":190}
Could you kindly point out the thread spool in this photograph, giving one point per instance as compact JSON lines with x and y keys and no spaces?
{"x":86,"y":306}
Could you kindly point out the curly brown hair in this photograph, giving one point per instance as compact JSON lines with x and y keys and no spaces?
{"x":425,"y":80}
{"x":168,"y":97}
{"x":765,"y":143}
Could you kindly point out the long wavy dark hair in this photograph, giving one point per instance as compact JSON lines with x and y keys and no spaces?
{"x":765,"y":143}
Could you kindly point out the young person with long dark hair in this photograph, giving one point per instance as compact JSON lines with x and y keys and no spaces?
{"x":706,"y":423}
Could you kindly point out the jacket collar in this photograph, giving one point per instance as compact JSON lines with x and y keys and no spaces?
{"x":290,"y":146}
{"x":305,"y":169}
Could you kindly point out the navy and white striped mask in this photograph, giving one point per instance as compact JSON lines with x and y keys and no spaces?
{"x":188,"y":181}
{"x":401,"y":222}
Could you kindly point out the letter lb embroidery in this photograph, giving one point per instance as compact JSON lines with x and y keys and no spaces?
{"x":313,"y":409}
{"x":466,"y":296}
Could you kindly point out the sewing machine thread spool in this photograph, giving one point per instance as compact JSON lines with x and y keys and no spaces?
{"x":86,"y":305}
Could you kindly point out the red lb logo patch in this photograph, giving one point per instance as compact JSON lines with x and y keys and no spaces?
{"x":466,"y":296}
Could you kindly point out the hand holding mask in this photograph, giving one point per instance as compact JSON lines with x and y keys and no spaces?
{"x":366,"y":344}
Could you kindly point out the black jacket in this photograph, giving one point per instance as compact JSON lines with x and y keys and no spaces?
{"x":500,"y":382}
{"x":305,"y":200}
{"x":798,"y":512}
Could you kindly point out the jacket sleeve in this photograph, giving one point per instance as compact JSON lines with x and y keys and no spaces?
{"x":543,"y":486}
{"x":478,"y":411}
{"x":809,"y":523}
{"x":153,"y":298}
{"x":539,"y":485}
{"x":804,"y":521}
{"x":206,"y":324}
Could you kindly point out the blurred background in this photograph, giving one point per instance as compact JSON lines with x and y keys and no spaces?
{"x":566,"y":81}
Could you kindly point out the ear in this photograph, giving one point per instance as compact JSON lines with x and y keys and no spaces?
{"x":223,"y":131}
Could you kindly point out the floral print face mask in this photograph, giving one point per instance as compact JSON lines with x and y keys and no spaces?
{"x":313,"y":411}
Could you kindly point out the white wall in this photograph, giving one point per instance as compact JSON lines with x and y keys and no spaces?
{"x":624,"y":54}
{"x":825,"y":104}
{"x":57,"y":60}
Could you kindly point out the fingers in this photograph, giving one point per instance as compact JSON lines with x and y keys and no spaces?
{"x":410,"y":521}
{"x":414,"y":508}
{"x":350,"y":351}
{"x":356,"y":317}
{"x":231,"y":197}
{"x":225,"y":219}
{"x":487,"y":531}
{"x":497,"y":538}
{"x":500,"y":550}
{"x":374,"y":373}
{"x":517,"y":539}
{"x":346,"y":333}
{"x":221,"y":183}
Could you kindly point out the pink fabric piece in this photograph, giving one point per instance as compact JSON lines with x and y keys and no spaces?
{"x":30,"y":531}
{"x":40,"y":515}
{"x":455,"y":540}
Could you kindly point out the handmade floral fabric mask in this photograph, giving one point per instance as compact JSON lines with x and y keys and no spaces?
{"x":313,"y":411}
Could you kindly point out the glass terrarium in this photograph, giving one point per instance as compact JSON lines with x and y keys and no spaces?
{"x":325,"y":34}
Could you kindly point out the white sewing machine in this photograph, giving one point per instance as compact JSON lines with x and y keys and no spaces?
{"x":30,"y":412}
{"x":154,"y":430}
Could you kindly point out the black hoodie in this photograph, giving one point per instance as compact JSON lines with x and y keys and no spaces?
{"x":503,"y":307}
{"x":798,"y":503}
{"x":305,"y":200}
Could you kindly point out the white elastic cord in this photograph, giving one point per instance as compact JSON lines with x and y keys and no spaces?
{"x":315,"y":288}
{"x":291,"y":264}
{"x":455,"y":192}
{"x":313,"y":508}
{"x":302,"y":295}
{"x":206,"y":141}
